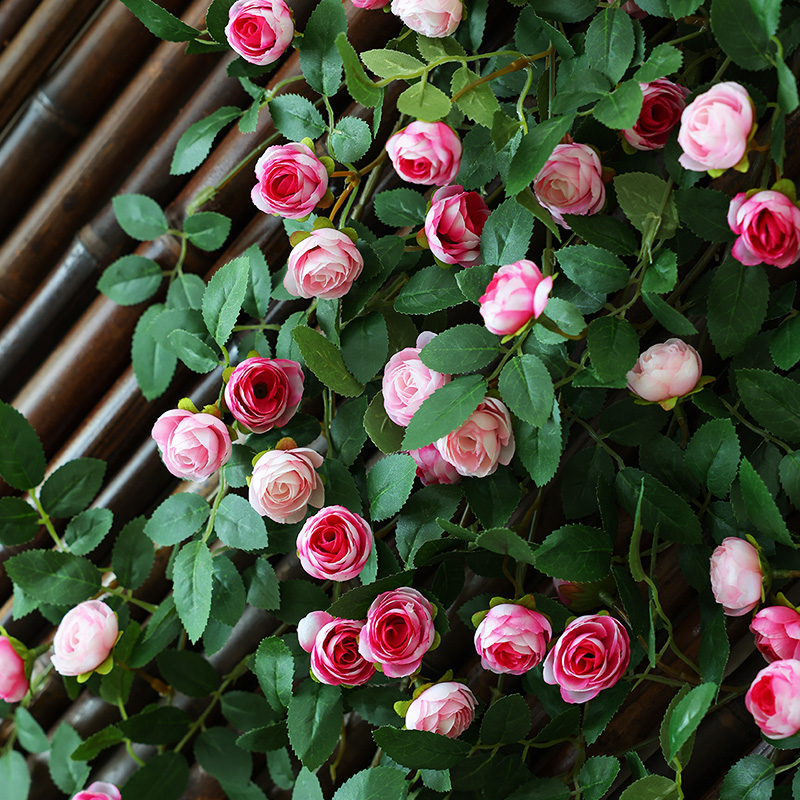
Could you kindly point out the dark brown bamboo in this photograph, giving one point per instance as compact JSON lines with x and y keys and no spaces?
{"x":13,"y":14}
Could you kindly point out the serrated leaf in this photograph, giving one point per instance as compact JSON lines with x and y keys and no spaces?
{"x":349,"y":140}
{"x":576,"y":552}
{"x":319,"y":56}
{"x":784,"y":347}
{"x":431,"y":289}
{"x":751,"y":778}
{"x":192,"y":587}
{"x":610,"y":43}
{"x":85,"y":531}
{"x":153,"y":363}
{"x":385,"y":434}
{"x":133,"y":555}
{"x":400,"y":208}
{"x":392,"y":63}
{"x":207,"y":230}
{"x":687,"y":715}
{"x":420,"y":749}
{"x":760,"y":507}
{"x":139,"y":216}
{"x":535,"y":148}
{"x":195,"y":144}
{"x":296,"y":117}
{"x":539,"y":449}
{"x":663,"y":60}
{"x":597,"y":775}
{"x":526,"y":387}
{"x":652,"y":787}
{"x":613,"y":347}
{"x":365,"y":345}
{"x":462,"y":348}
{"x":506,"y":542}
{"x":593,"y":268}
{"x":325,"y":360}
{"x":478,"y":102}
{"x":389,"y":484}
{"x":160,"y":22}
{"x":418,"y":524}
{"x":223,"y":298}
{"x":669,"y":317}
{"x":424,"y":101}
{"x":642,"y":196}
{"x":14,"y":775}
{"x":314,"y":722}
{"x":22,"y":460}
{"x":239,"y":525}
{"x":507,"y":233}
{"x":505,"y":721}
{"x":19,"y":521}
{"x":772,"y":400}
{"x":177,"y":518}
{"x":705,"y":211}
{"x":361,"y":88}
{"x":130,"y":280}
{"x":740,"y":32}
{"x":57,"y":578}
{"x":621,"y":108}
{"x":274,"y":668}
{"x":165,"y":776}
{"x":712,"y":455}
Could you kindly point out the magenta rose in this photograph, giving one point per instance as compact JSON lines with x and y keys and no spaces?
{"x":516,"y":294}
{"x":662,"y":105}
{"x":13,"y":680}
{"x":85,"y":638}
{"x":260,"y":30}
{"x":371,"y":3}
{"x":285,"y":483}
{"x":433,"y":18}
{"x":774,"y":699}
{"x":193,"y":446}
{"x":432,"y":469}
{"x":777,"y":632}
{"x":768,"y":226}
{"x":426,"y":152}
{"x":291,"y":181}
{"x":99,"y":790}
{"x":446,"y":708}
{"x":512,"y":639}
{"x":324,"y":265}
{"x":333,"y":644}
{"x":454,"y":224}
{"x":398,"y":633}
{"x":591,"y":655}
{"x":736,"y":576}
{"x":664,"y":371}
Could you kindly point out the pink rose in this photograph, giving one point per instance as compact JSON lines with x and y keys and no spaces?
{"x":324,"y":264}
{"x":664,"y":371}
{"x":333,"y":644}
{"x":454,"y":224}
{"x":774,"y":699}
{"x":426,"y":152}
{"x":630,"y":8}
{"x":334,"y":544}
{"x":398,"y":633}
{"x":99,"y":790}
{"x":571,"y":182}
{"x":736,"y":576}
{"x":85,"y":638}
{"x":260,"y":30}
{"x":285,"y":483}
{"x":407,"y":382}
{"x":777,"y":632}
{"x":516,"y":294}
{"x":768,"y":227}
{"x":662,"y":105}
{"x":482,"y":442}
{"x":512,"y":638}
{"x":433,"y":18}
{"x":715,"y":128}
{"x":13,"y":681}
{"x":582,"y":597}
{"x":193,"y":446}
{"x":591,"y":655}
{"x":371,"y":3}
{"x":432,"y":469}
{"x":446,"y":708}
{"x":291,"y":181}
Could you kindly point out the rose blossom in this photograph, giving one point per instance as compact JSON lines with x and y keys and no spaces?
{"x":371,"y":3}
{"x":99,"y":790}
{"x":432,"y":469}
{"x":433,"y":18}
{"x":582,"y":596}
{"x":736,"y":576}
{"x":85,"y":638}
{"x":485,"y":440}
{"x":13,"y":681}
{"x":768,"y":226}
{"x":516,"y":294}
{"x":192,"y":446}
{"x":662,"y":105}
{"x":260,"y":30}
{"x":398,"y":633}
{"x":291,"y":181}
{"x":285,"y":483}
{"x":512,"y":638}
{"x":446,"y":708}
{"x":664,"y":371}
{"x":774,"y":699}
{"x":334,"y":544}
{"x":426,"y":152}
{"x":777,"y":632}
{"x":324,"y":265}
{"x":333,"y":644}
{"x":454,"y":224}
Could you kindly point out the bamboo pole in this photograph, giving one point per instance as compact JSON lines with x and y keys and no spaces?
{"x":13,"y":14}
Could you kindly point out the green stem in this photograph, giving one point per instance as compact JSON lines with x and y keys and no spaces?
{"x":221,"y":492}
{"x":517,"y":345}
{"x":129,"y":598}
{"x":48,"y":523}
{"x":760,"y":431}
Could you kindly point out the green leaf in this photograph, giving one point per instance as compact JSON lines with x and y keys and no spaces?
{"x":325,"y":360}
{"x":195,"y":144}
{"x":418,"y":523}
{"x":705,"y":211}
{"x":315,"y":721}
{"x":187,"y":671}
{"x":462,"y":348}
{"x":361,"y":88}
{"x":156,"y":724}
{"x":307,"y":786}
{"x":652,"y":787}
{"x":389,"y":484}
{"x":596,"y":776}
{"x":259,"y":284}
{"x":162,"y":628}
{"x":239,"y":525}
{"x":573,"y":11}
{"x":479,"y":102}
{"x":349,"y":140}
{"x":600,"y":710}
{"x":526,"y":387}
{"x":106,"y":737}
{"x":751,"y":778}
{"x":424,"y":101}
{"x":542,"y":788}
{"x":19,"y":522}
{"x":193,"y":351}
{"x":372,"y":783}
{"x":319,"y":56}
{"x":177,"y":518}
{"x":347,"y":430}
{"x":714,"y":645}
{"x":494,"y":497}
{"x":153,"y":363}
{"x":72,"y":487}
{"x":365,"y":345}
{"x":296,"y":117}
{"x":575,"y":552}
{"x":784,"y":347}
{"x":535,"y":148}
{"x":67,"y":774}
{"x":14,"y":775}
{"x":392,"y":63}
{"x":505,"y":542}
{"x":593,"y":269}
{"x":227,"y":593}
{"x":788,"y":98}
{"x":688,"y":714}
{"x":130,"y":280}
{"x":192,"y":582}
{"x":773,"y":401}
{"x":662,"y":274}
{"x":386,"y":435}
{"x":539,"y":449}
{"x":161,"y":23}
{"x":207,"y":230}
{"x":613,"y":347}
{"x":669,"y":317}
{"x":217,"y":753}
{"x":431,"y":289}
{"x":29,"y":732}
{"x":621,"y":108}
{"x":608,"y":233}
{"x":663,"y":60}
{"x":683,"y":755}
{"x":223,"y":298}
{"x":641,"y":196}
{"x":400,"y":208}
{"x":760,"y":507}
{"x":507,"y":234}
{"x":420,"y":749}
{"x":217,"y":18}
{"x":790,"y":476}
{"x":140,"y":217}
{"x":22,"y":461}
{"x":263,"y":591}
{"x":87,"y":530}
{"x":610,"y":43}
{"x":740,"y":32}
{"x":712,"y":455}
{"x":508,"y":720}
{"x":61,"y":579}
{"x":165,"y":776}
{"x":274,"y":668}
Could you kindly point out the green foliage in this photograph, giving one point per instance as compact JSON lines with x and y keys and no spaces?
{"x":192,"y":587}
{"x":325,"y":360}
{"x":576,"y":552}
{"x":296,"y":117}
{"x":314,"y":722}
{"x":22,"y":461}
{"x":319,"y":56}
{"x":389,"y":484}
{"x":195,"y":144}
{"x":400,"y":207}
{"x":177,"y":518}
{"x":61,"y":579}
{"x":160,"y":22}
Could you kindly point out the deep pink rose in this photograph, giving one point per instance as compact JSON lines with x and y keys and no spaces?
{"x":371,"y":3}
{"x":398,"y":633}
{"x":426,"y":152}
{"x":446,"y":708}
{"x":99,"y":790}
{"x":736,"y":576}
{"x":666,"y":370}
{"x":85,"y":638}
{"x":774,"y":699}
{"x":516,"y":294}
{"x":433,"y":18}
{"x":432,"y":469}
{"x":482,"y":442}
{"x":193,"y":446}
{"x":715,"y":128}
{"x":512,"y":638}
{"x":264,"y":393}
{"x":777,"y":632}
{"x":630,"y":8}
{"x":454,"y":224}
{"x":285,"y":483}
{"x":324,"y":265}
{"x":334,"y":544}
{"x":291,"y":181}
{"x":768,"y":227}
{"x":260,"y":30}
{"x":13,"y":682}
{"x":333,"y":644}
{"x":591,"y":655}
{"x":662,"y":105}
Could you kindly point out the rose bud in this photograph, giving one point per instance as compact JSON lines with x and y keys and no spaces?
{"x":323,"y":265}
{"x":777,"y":632}
{"x":85,"y":638}
{"x":715,"y":129}
{"x":13,"y":680}
{"x":99,"y":790}
{"x":774,"y":699}
{"x":768,"y":226}
{"x":583,"y":597}
{"x":591,"y":655}
{"x":454,"y":224}
{"x":433,"y":18}
{"x":516,"y":294}
{"x":333,"y":644}
{"x":512,"y":639}
{"x":446,"y":708}
{"x":193,"y":446}
{"x":285,"y":483}
{"x":426,"y":152}
{"x":664,"y":371}
{"x":662,"y":105}
{"x":736,"y":576}
{"x":398,"y":633}
{"x":432,"y":469}
{"x":371,"y":3}
{"x":291,"y":181}
{"x":630,"y":8}
{"x":260,"y":30}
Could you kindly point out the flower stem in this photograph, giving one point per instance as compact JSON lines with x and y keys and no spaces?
{"x":48,"y":523}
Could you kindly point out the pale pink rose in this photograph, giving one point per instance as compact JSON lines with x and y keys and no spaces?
{"x":334,"y":544}
{"x":193,"y":446}
{"x":736,"y":576}
{"x":454,"y":224}
{"x":662,"y":105}
{"x":426,"y":152}
{"x":13,"y":681}
{"x":433,"y":18}
{"x":99,"y":790}
{"x":482,"y":442}
{"x":516,"y":294}
{"x":630,"y":8}
{"x":571,"y":182}
{"x":715,"y":128}
{"x":333,"y":644}
{"x":774,"y":699}
{"x":371,"y":3}
{"x":432,"y":469}
{"x":260,"y":30}
{"x":85,"y":638}
{"x":324,"y":265}
{"x":398,"y":633}
{"x":666,"y":370}
{"x":591,"y":655}
{"x":291,"y":181}
{"x":777,"y":632}
{"x":309,"y":627}
{"x":446,"y":708}
{"x":285,"y":483}
{"x":512,"y":639}
{"x":768,"y":227}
